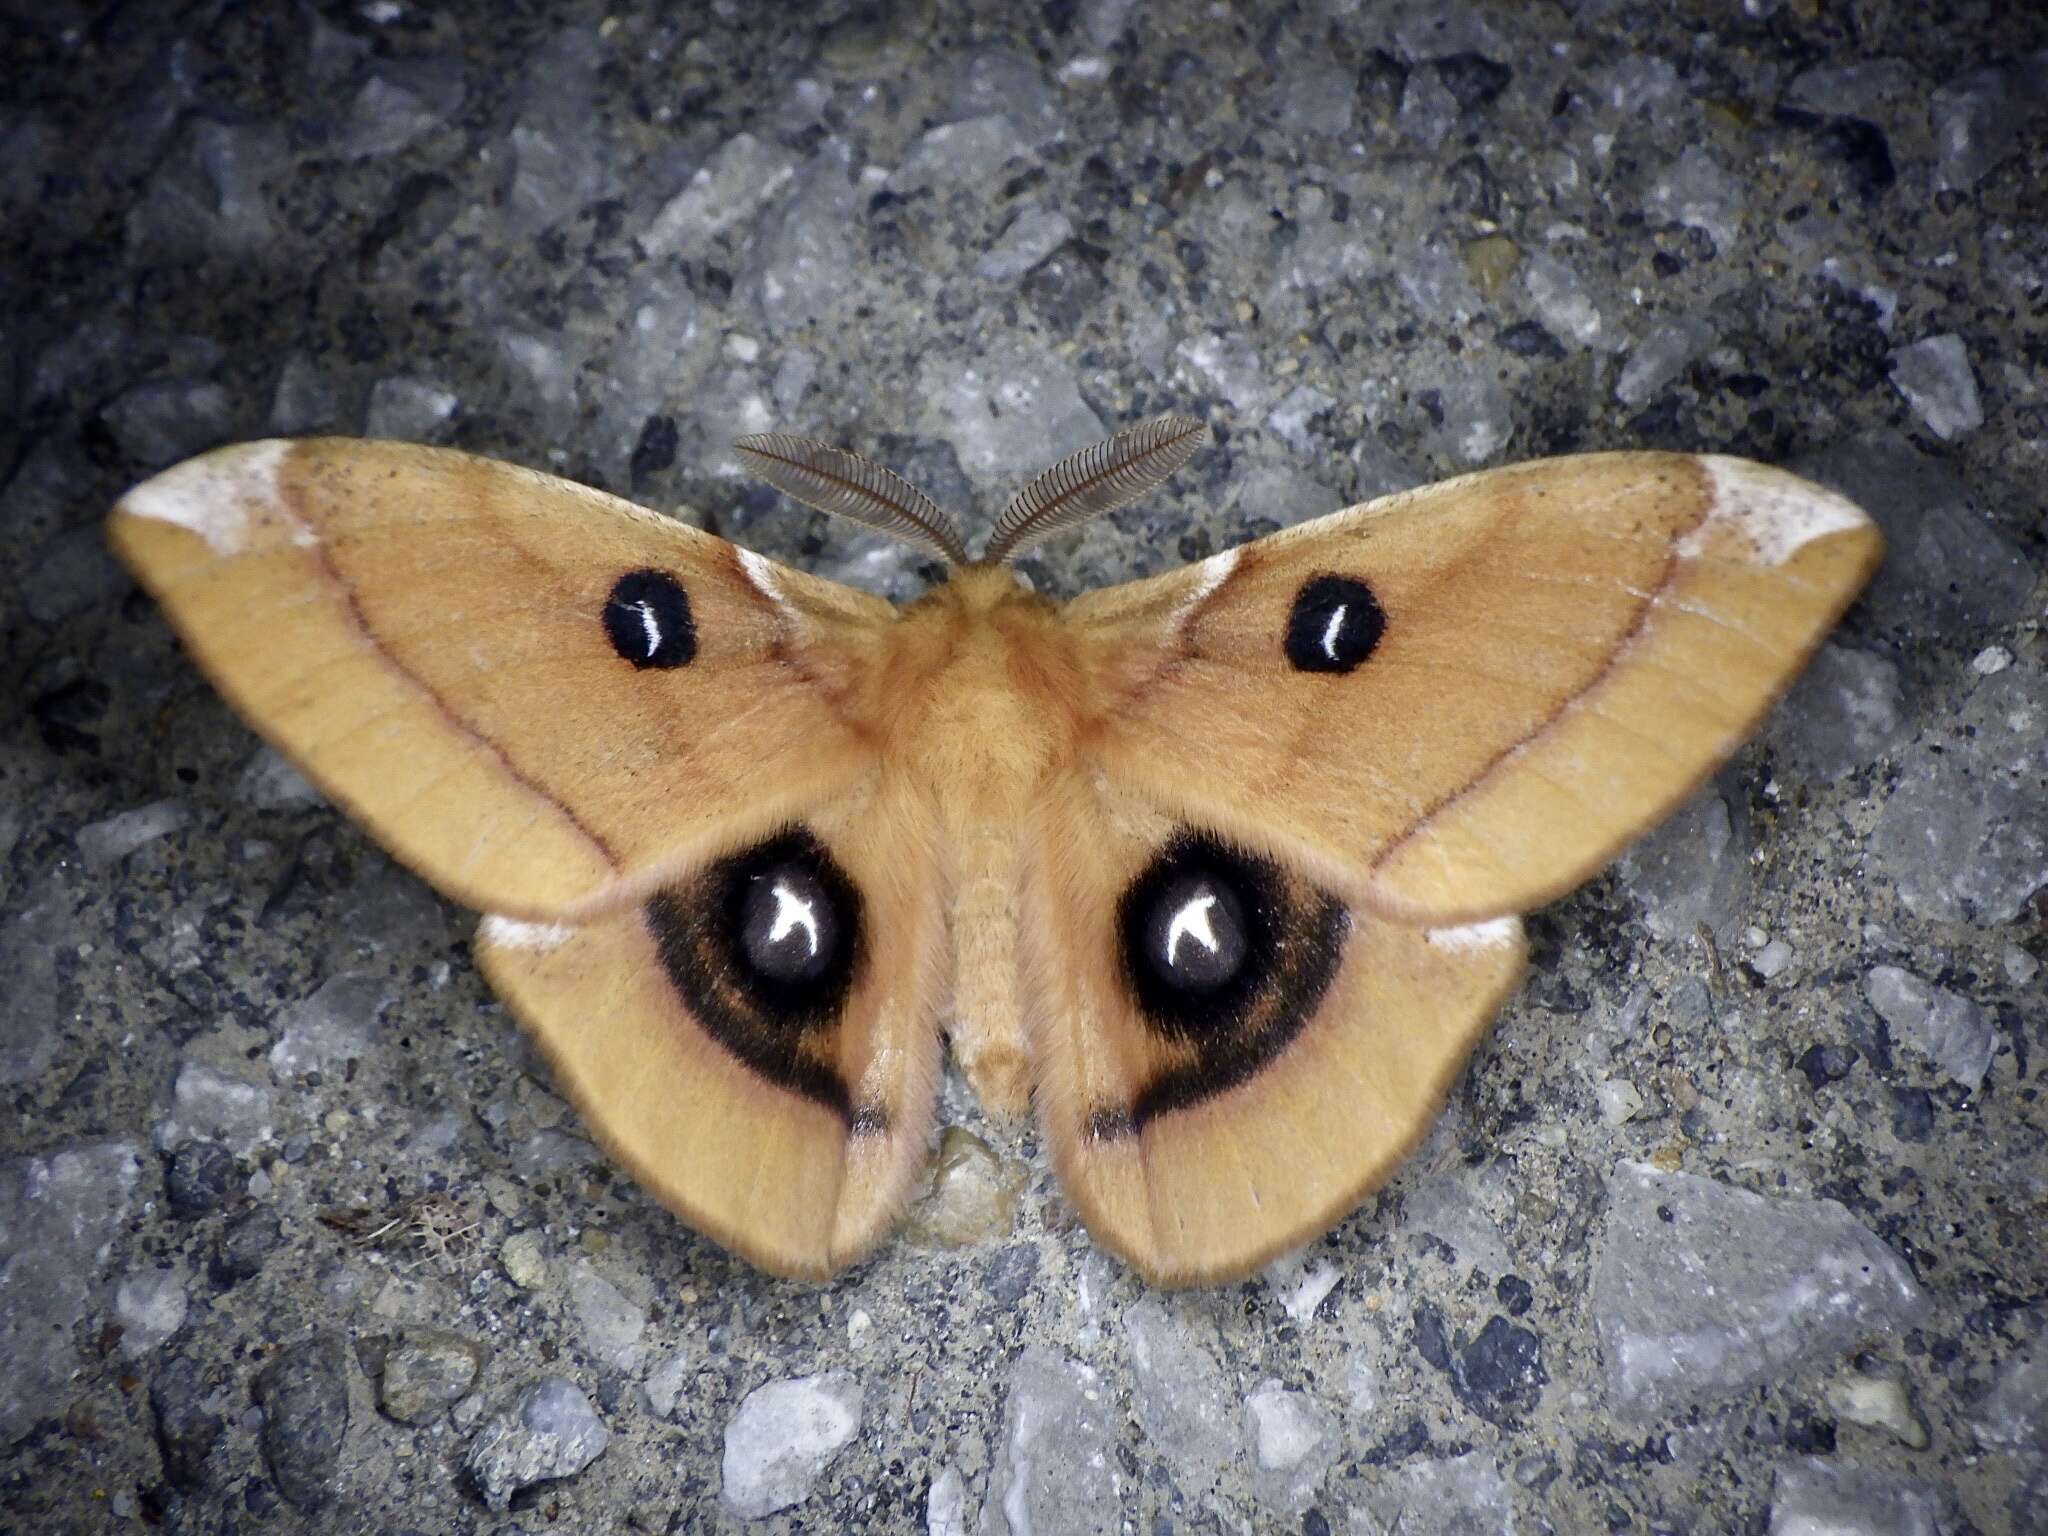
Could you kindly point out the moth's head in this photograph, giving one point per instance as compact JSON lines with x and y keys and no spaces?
{"x":1098,"y":479}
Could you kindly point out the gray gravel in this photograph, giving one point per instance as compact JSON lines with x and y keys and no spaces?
{"x":1738,"y":1220}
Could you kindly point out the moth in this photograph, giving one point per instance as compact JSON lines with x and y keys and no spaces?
{"x":1218,"y":871}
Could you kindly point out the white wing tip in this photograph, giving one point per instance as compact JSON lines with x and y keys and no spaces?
{"x":510,"y":933}
{"x":213,"y":494}
{"x":1777,"y":512}
{"x":1212,"y":573}
{"x":760,"y":572}
{"x":1498,"y":933}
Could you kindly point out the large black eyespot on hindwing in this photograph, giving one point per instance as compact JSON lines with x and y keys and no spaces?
{"x":1196,"y":928}
{"x":1228,"y":956}
{"x":1334,"y":625}
{"x":647,"y":619}
{"x":764,"y":948}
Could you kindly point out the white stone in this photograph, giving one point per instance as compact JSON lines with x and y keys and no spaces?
{"x":1563,"y":303}
{"x":612,"y":1322}
{"x":1878,"y":1402}
{"x":271,"y":783}
{"x":1942,"y":1025}
{"x":1009,"y":408}
{"x":1228,"y":364}
{"x":150,"y":1307}
{"x":783,"y":1437}
{"x":1772,"y":959}
{"x":1620,"y":1101}
{"x":1702,"y":1290}
{"x":1362,"y":1387}
{"x":335,"y":1025}
{"x":1292,"y":1443}
{"x":209,"y":1105}
{"x":106,"y":843}
{"x":1301,"y":1290}
{"x":1695,"y":190}
{"x":663,"y":1388}
{"x":1297,"y":408}
{"x":1661,"y":357}
{"x":408,"y":409}
{"x":1814,"y":1498}
{"x":1032,"y":235}
{"x":959,"y":154}
{"x":945,"y":1507}
{"x":1934,"y":376}
{"x":737,"y":182}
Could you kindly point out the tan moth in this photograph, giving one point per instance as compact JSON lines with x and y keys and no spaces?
{"x":1217,"y":872}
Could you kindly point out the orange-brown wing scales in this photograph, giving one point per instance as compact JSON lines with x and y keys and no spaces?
{"x":1532,"y":665}
{"x":426,"y":634}
{"x":788,"y":1121}
{"x":1198,"y":1142}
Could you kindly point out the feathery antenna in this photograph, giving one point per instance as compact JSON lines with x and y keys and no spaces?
{"x":847,"y":485}
{"x":1096,"y":480}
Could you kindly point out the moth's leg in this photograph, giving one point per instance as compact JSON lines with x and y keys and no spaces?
{"x":989,"y":1040}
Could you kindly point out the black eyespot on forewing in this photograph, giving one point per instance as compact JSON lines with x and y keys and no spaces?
{"x":1334,"y":625}
{"x":1228,"y":956}
{"x":764,"y":948}
{"x":648,"y":621}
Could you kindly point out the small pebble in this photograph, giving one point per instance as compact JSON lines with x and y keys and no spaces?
{"x":1620,"y":1101}
{"x":546,"y":1431}
{"x":106,"y":843}
{"x":523,"y":1257}
{"x":973,"y":1195}
{"x":150,"y":1307}
{"x":181,"y":1401}
{"x":303,"y":1393}
{"x":1935,"y":377}
{"x":945,"y":1507}
{"x":424,"y":1371}
{"x":663,"y":1388}
{"x":783,"y":1437}
{"x":1878,"y":1402}
{"x":1772,"y":959}
{"x":1293,"y":1441}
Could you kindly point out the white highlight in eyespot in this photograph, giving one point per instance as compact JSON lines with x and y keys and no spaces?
{"x":1779,"y":514}
{"x":1211,"y":574}
{"x":1336,"y":628}
{"x":213,"y":495}
{"x":1496,"y":934}
{"x":1192,"y":922}
{"x":792,"y":912}
{"x":511,"y":933}
{"x":649,"y":626}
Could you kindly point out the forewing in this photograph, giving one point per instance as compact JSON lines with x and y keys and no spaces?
{"x":538,"y":696}
{"x":1459,"y":702}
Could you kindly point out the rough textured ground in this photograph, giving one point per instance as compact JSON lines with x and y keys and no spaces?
{"x":1739,"y":1220}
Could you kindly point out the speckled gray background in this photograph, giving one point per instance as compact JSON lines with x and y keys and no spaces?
{"x":1738,"y":1222}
